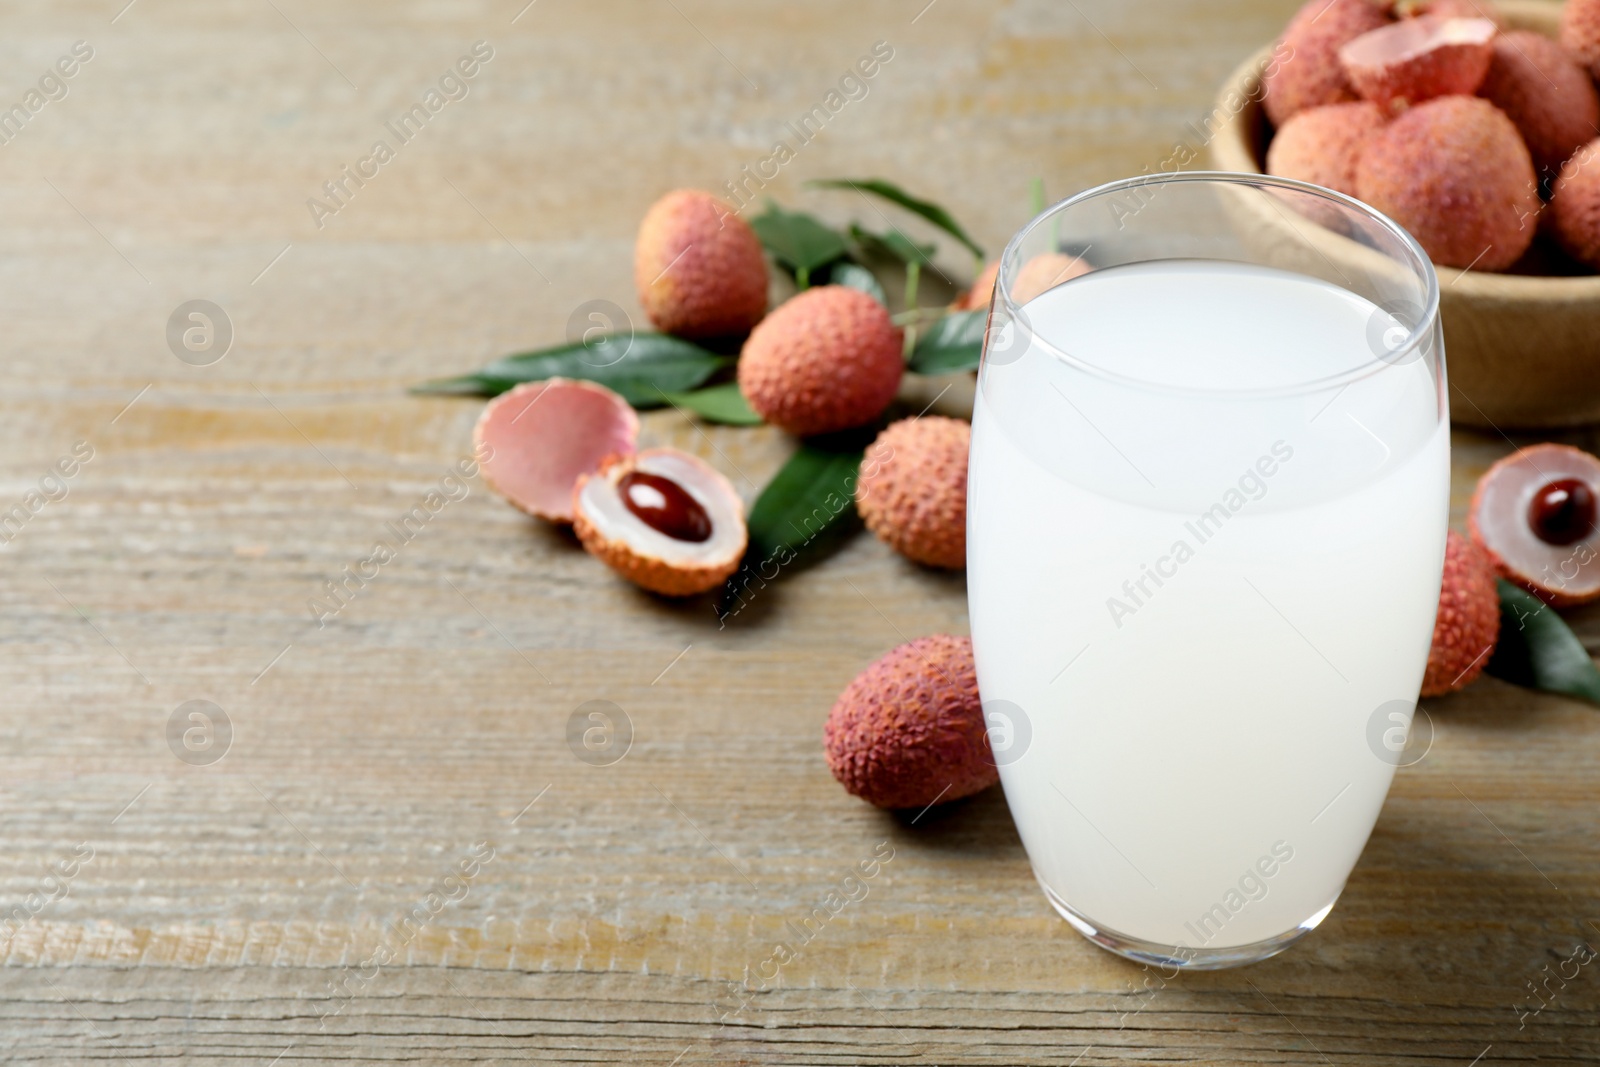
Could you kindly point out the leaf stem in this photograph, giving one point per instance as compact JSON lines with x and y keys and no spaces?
{"x":913,"y":276}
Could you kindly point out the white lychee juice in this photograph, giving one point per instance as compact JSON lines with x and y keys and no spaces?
{"x":1206,"y":529}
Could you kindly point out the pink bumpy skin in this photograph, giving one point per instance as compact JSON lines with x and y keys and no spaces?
{"x":1418,"y":59}
{"x":1580,"y":33}
{"x":1575,"y":206}
{"x":909,"y":730}
{"x":1323,"y":144}
{"x":1546,"y":93}
{"x":828,"y":359}
{"x":1455,"y":173}
{"x":544,"y":435}
{"x":1308,"y":73}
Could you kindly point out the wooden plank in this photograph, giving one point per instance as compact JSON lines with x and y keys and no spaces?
{"x":226,"y":909}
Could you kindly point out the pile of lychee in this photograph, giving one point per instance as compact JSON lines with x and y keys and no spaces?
{"x":1437,"y":115}
{"x":910,"y":731}
{"x":827,"y":359}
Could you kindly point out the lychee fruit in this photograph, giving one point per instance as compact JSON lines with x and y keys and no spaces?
{"x":1044,"y":272}
{"x":541,"y":436}
{"x":663,"y":519}
{"x":1535,"y":515}
{"x":699,"y":267}
{"x":1455,"y":173}
{"x":909,"y":731}
{"x":1413,"y":60}
{"x":1322,"y":144}
{"x":982,"y":292}
{"x":912,"y":492}
{"x":1580,"y":33}
{"x":1451,"y":9}
{"x":1468,"y":623}
{"x":828,"y":359}
{"x":1308,"y":73}
{"x":1575,"y":205}
{"x":1544,"y":91}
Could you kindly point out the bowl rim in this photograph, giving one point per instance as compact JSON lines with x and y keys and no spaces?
{"x":1231,"y":149}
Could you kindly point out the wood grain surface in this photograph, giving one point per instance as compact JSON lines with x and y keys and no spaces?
{"x":222,"y":912}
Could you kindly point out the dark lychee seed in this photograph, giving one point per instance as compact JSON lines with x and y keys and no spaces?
{"x":662,"y":504}
{"x":1563,"y":512}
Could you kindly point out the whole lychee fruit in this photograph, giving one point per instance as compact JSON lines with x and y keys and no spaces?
{"x":1536,"y":514}
{"x":977,"y":298}
{"x":1575,"y":205}
{"x":1307,"y":71}
{"x":1468,"y":623}
{"x":1580,"y":33}
{"x":1544,"y":91}
{"x":1418,"y":59}
{"x":909,"y":731}
{"x":1455,"y":173}
{"x":663,"y":519}
{"x":828,"y":359}
{"x":699,"y":267}
{"x":912,"y":491}
{"x":1322,"y":144}
{"x":1044,"y":272}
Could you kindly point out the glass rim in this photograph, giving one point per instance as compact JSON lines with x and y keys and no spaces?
{"x":1401,"y":354}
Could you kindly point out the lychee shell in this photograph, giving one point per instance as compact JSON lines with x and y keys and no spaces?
{"x":828,"y":359}
{"x":912,"y":492}
{"x":1321,"y":145}
{"x":1402,"y":64}
{"x":1575,"y":205}
{"x":1545,"y":93}
{"x":909,"y":730}
{"x":1468,"y":623}
{"x":699,"y":267}
{"x":1310,"y":74}
{"x":1455,"y":173}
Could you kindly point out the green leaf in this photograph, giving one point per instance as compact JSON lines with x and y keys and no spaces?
{"x":807,"y":509}
{"x":1537,"y":650}
{"x":799,"y":241}
{"x":640,"y":367}
{"x":892,"y":244}
{"x":896,"y":195}
{"x":719,"y":403}
{"x":954,"y":343}
{"x":858,"y":277}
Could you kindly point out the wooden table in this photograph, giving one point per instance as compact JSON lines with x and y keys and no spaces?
{"x":221,"y":911}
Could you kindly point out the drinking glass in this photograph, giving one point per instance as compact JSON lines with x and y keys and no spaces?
{"x":1208,"y":495}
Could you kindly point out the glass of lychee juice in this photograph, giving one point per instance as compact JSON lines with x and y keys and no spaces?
{"x":1207,"y":509}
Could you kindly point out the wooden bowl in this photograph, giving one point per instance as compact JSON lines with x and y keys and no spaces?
{"x":1523,"y":351}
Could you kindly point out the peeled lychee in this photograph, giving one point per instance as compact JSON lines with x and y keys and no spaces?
{"x":1575,"y":205}
{"x":541,"y":436}
{"x":1580,"y":33}
{"x":909,"y":731}
{"x":828,"y":359}
{"x":1322,"y":144}
{"x":1534,"y":514}
{"x":1468,"y":623}
{"x":1452,"y":9}
{"x":699,"y":267}
{"x":663,"y":519}
{"x":1413,"y":60}
{"x":912,"y":491}
{"x":1544,"y":91}
{"x":1307,"y":71}
{"x":1455,"y":173}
